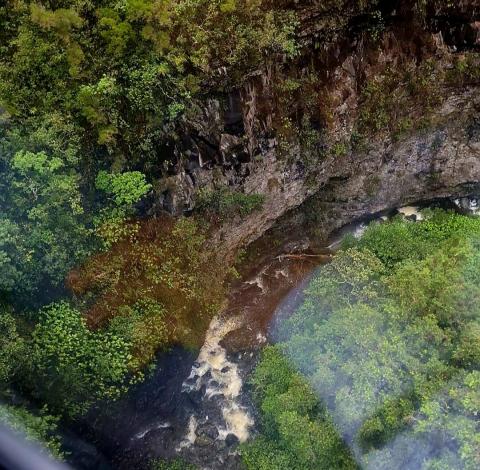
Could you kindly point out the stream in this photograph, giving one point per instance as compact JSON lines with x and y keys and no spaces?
{"x":197,"y":405}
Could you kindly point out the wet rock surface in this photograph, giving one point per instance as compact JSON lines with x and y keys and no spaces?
{"x":438,"y":163}
{"x":232,"y":141}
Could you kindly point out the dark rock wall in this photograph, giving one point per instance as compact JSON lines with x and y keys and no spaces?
{"x":234,"y":138}
{"x":438,"y":163}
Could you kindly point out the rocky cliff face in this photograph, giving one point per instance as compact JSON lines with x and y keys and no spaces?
{"x":440,"y":162}
{"x":380,"y":108}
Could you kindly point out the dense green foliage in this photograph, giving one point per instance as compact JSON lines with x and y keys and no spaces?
{"x":298,"y":432}
{"x":387,"y":340}
{"x":72,"y":366}
{"x":118,"y":73}
{"x":41,"y":198}
{"x":176,"y":464}
{"x":39,"y":428}
{"x":144,"y":327}
{"x":124,"y":188}
{"x":12,"y":347}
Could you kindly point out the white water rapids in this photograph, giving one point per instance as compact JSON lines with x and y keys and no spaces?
{"x":218,"y":379}
{"x":222,"y":378}
{"x":470,"y":204}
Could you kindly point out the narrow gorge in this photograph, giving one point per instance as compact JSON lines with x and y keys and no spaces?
{"x":240,"y":234}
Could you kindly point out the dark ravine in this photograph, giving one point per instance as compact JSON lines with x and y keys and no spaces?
{"x":198,"y":405}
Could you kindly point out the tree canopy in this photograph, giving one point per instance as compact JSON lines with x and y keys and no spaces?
{"x":386,"y":342}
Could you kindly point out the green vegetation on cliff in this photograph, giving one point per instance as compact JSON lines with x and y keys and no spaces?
{"x":224,"y":203}
{"x":114,"y":75}
{"x":94,"y":97}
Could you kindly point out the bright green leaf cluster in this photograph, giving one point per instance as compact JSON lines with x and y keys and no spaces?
{"x":74,"y":367}
{"x":126,"y":188}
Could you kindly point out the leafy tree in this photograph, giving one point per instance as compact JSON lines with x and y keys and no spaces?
{"x":264,"y":454}
{"x":401,"y":240}
{"x":386,"y":342}
{"x":123,"y":190}
{"x":43,"y":200}
{"x":74,"y":367}
{"x":445,"y":433}
{"x":467,"y":349}
{"x":288,"y":404}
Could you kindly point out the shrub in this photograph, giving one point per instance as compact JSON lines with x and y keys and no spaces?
{"x":143,"y":326}
{"x":392,"y":101}
{"x":73,"y":367}
{"x":176,"y":464}
{"x":165,"y":265}
{"x":225,"y":203}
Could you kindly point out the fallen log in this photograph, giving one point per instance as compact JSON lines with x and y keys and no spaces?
{"x":304,"y":255}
